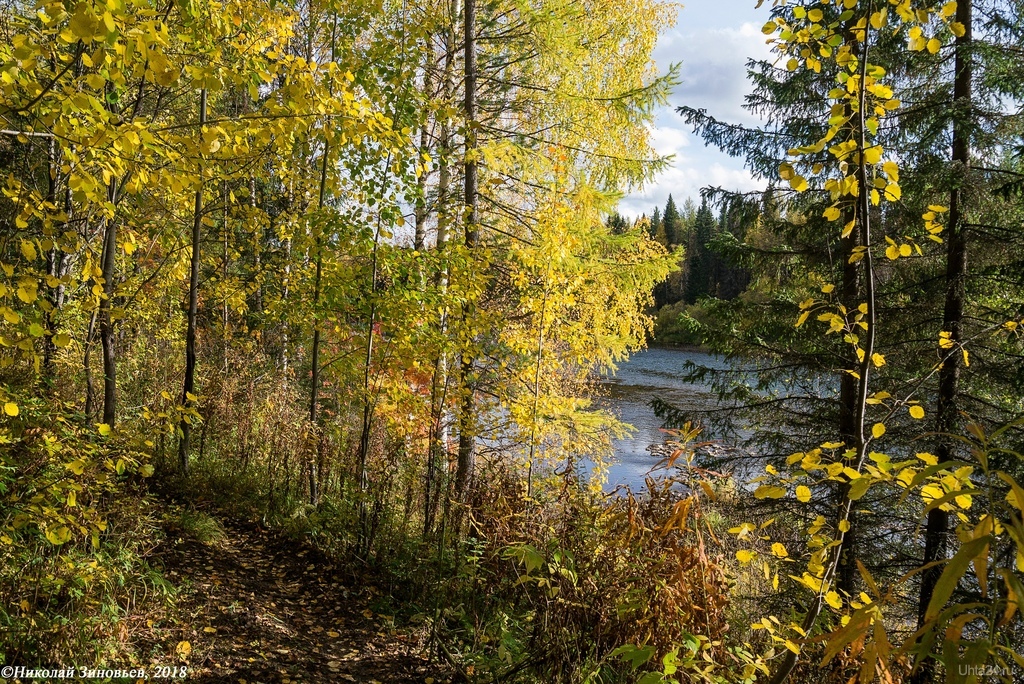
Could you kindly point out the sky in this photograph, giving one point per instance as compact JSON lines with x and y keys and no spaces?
{"x":712,"y":39}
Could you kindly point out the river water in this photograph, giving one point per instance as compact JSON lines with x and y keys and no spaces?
{"x":628,"y":392}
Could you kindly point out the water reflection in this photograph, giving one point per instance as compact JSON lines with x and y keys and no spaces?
{"x":648,"y":374}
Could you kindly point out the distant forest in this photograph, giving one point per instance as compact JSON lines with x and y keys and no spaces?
{"x":709,"y":263}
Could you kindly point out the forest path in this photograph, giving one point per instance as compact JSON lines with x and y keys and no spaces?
{"x":257,"y":608}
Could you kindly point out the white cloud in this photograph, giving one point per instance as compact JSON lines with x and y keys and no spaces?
{"x":713,"y":41}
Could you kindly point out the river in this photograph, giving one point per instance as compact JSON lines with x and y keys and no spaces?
{"x":628,"y":392}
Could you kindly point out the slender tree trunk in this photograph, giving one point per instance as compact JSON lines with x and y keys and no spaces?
{"x":55,"y":260}
{"x":861,"y":440}
{"x":847,"y":574}
{"x":314,"y":390}
{"x":108,"y":266}
{"x":224,"y":279}
{"x":536,"y":385}
{"x":90,"y":384}
{"x":188,"y":389}
{"x":467,"y":410}
{"x":420,"y":210}
{"x":937,"y":528}
{"x":437,"y":441}
{"x":285,"y":291}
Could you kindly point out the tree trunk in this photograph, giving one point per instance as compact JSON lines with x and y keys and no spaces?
{"x":467,"y":410}
{"x":106,"y":324}
{"x":437,"y":442}
{"x":861,"y":440}
{"x":937,"y":528}
{"x":193,"y":307}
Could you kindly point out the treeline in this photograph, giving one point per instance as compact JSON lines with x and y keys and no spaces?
{"x":707,"y":268}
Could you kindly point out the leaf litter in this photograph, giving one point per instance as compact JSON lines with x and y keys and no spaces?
{"x":257,"y":608}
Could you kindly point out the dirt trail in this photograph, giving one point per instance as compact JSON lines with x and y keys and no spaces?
{"x":256,"y":608}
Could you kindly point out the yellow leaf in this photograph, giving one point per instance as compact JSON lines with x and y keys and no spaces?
{"x":744,"y":556}
{"x":905,"y":250}
{"x":769,"y":492}
{"x":878,"y":360}
{"x":798,"y":183}
{"x":967,"y":360}
{"x":84,"y":23}
{"x":28,"y":293}
{"x":72,"y":499}
{"x":916,"y":412}
{"x":210,"y":630}
{"x":779,"y":550}
{"x":103,"y":429}
{"x":61,"y":340}
{"x":333,"y":634}
{"x":146,"y":470}
{"x":892,"y":252}
{"x":11,"y":409}
{"x":831,"y":214}
{"x":958,"y":29}
{"x":877,"y":430}
{"x":803,"y":494}
{"x":803,"y":317}
{"x":873,"y":155}
{"x":28,"y":250}
{"x":1015,"y":497}
{"x":832,"y":599}
{"x":951,"y":574}
{"x":183,"y":649}
{"x":934,"y":45}
{"x":77,"y":466}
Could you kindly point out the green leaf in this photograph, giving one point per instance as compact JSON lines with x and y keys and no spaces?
{"x":634,"y":655}
{"x":954,"y":570}
{"x":58,"y":535}
{"x":859,"y":487}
